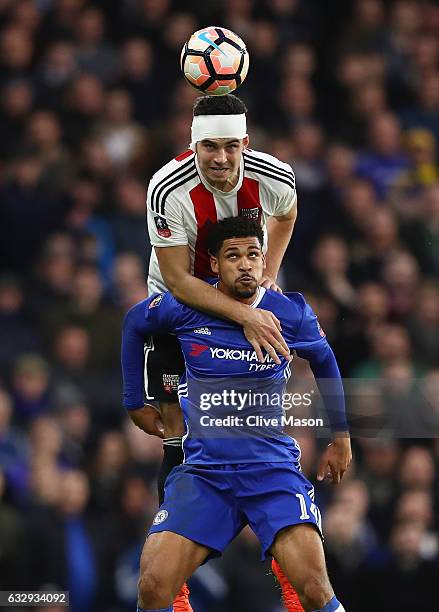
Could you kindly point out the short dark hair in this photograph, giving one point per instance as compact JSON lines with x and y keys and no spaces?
{"x":219,"y":105}
{"x":233,"y":227}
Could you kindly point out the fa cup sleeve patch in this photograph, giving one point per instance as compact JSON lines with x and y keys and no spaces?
{"x":162,"y":227}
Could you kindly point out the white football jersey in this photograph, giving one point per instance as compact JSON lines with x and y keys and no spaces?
{"x":182,"y":205}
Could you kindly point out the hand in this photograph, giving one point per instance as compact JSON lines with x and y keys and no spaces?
{"x":270,"y":283}
{"x":148,"y":419}
{"x":262,"y":329}
{"x":336,"y":459}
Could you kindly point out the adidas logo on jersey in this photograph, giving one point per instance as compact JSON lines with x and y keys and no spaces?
{"x":203,"y":330}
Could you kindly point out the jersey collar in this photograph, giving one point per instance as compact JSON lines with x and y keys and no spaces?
{"x":213,"y":189}
{"x":260,"y":294}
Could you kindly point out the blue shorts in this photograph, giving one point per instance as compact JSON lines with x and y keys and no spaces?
{"x":210,"y":505}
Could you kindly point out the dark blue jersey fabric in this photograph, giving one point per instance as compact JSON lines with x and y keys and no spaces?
{"x":232,"y":404}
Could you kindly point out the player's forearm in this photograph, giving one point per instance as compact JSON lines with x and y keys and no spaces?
{"x":132,"y":358}
{"x":199,"y":295}
{"x":279,"y":235}
{"x":139,"y":417}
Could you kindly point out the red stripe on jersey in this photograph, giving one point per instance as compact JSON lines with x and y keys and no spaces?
{"x":184,"y":155}
{"x":205,"y":214}
{"x":249,"y":204}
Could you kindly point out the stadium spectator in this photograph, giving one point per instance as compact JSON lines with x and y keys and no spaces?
{"x":23,"y":196}
{"x":16,"y":52}
{"x":127,"y":223}
{"x":128,"y":279}
{"x":331,"y":260}
{"x":72,"y":557}
{"x":385,"y":161}
{"x":44,"y":133}
{"x":417,"y":469}
{"x":358,"y":208}
{"x":94,"y":54}
{"x":400,"y":275}
{"x":31,"y":390}
{"x":124,"y":140}
{"x":75,"y":422}
{"x":350,"y":537}
{"x":136,"y":75}
{"x":16,"y":103}
{"x":12,"y":534}
{"x":405,"y":565}
{"x":14,"y":452}
{"x":56,"y":70}
{"x":107,"y":474}
{"x":16,"y":324}
{"x":426,"y":113}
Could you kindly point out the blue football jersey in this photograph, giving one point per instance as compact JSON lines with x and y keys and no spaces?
{"x":232,"y":403}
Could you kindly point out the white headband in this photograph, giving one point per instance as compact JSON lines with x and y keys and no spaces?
{"x":218,"y":126}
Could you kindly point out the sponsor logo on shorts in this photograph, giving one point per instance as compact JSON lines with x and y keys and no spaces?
{"x":161,"y":516}
{"x":162,"y":226}
{"x":171,"y":382}
{"x":203,"y":330}
{"x":156,"y":301}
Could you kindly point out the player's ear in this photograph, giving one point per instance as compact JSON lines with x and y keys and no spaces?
{"x":246,"y":141}
{"x":214,"y":264}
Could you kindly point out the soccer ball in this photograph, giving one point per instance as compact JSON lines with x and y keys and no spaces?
{"x":214,"y":60}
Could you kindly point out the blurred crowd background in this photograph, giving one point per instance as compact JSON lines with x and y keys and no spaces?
{"x":92,"y":102}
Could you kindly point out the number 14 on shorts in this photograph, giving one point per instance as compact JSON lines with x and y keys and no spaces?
{"x":304,"y":516}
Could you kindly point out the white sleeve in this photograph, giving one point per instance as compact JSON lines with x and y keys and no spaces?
{"x":286,"y":196}
{"x":166,"y":229}
{"x":280,"y":189}
{"x":285,"y":203}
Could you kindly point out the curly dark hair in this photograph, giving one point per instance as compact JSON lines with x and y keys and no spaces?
{"x":233,"y":227}
{"x":219,"y":105}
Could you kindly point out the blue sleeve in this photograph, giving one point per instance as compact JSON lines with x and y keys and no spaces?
{"x":311,"y":344}
{"x":309,"y":333}
{"x":157,"y":314}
